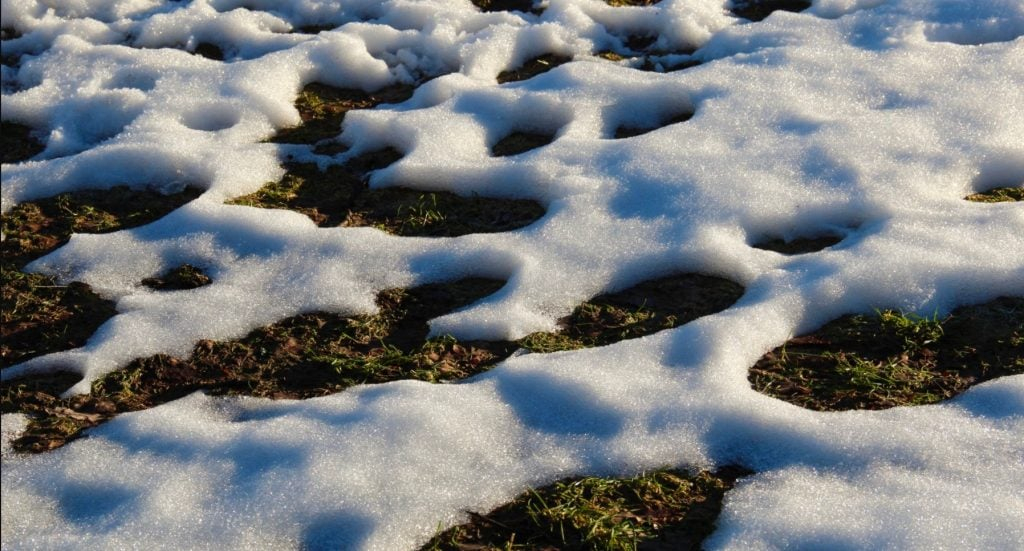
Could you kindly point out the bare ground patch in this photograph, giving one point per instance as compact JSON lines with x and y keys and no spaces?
{"x":17,"y":143}
{"x":757,"y":10}
{"x":998,"y":195}
{"x":895,"y":359}
{"x":322,"y":109}
{"x":664,"y":509}
{"x":39,"y":316}
{"x":533,"y":67}
{"x":321,"y":353}
{"x":339,"y":196}
{"x":632,"y":131}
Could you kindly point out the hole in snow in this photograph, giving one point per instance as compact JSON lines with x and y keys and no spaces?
{"x":40,"y":315}
{"x":130,"y":78}
{"x":642,"y":309}
{"x":998,"y":195}
{"x":209,"y":51}
{"x":525,"y":6}
{"x":533,"y":67}
{"x":663,"y":509}
{"x":621,"y":3}
{"x":631,"y":131}
{"x":182,"y":277}
{"x":17,"y":143}
{"x":800,"y":245}
{"x":322,"y":109}
{"x":212,"y":118}
{"x":895,"y":359}
{"x":339,"y":196}
{"x":757,"y":10}
{"x":520,"y":142}
{"x":299,"y":357}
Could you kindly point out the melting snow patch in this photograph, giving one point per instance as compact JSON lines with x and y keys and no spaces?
{"x":865,"y":119}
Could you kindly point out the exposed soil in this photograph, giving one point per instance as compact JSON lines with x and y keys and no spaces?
{"x":209,"y":51}
{"x":998,"y":195}
{"x":339,"y":196}
{"x":800,"y":245}
{"x":181,"y":278}
{"x":665,"y":509}
{"x":631,"y":131}
{"x":38,"y":316}
{"x":757,"y":10}
{"x":525,"y":6}
{"x":892,"y":359}
{"x":620,"y":3}
{"x":520,"y":142}
{"x":317,"y":354}
{"x":322,"y":109}
{"x":17,"y":143}
{"x":643,"y":309}
{"x":533,"y":67}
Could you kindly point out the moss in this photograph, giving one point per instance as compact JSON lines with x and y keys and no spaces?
{"x":667,"y":509}
{"x":998,"y":195}
{"x":895,"y":359}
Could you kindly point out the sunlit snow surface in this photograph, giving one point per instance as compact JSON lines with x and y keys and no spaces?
{"x":865,"y":117}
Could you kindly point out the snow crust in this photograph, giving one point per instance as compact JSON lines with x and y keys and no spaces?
{"x":866,"y":118}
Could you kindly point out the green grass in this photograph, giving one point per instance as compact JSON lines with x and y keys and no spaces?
{"x":998,"y":195}
{"x":894,"y":358}
{"x":672,"y":508}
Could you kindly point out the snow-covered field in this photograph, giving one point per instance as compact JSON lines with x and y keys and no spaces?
{"x":867,"y":118}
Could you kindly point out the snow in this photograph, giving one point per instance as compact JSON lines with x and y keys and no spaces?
{"x":869,"y":119}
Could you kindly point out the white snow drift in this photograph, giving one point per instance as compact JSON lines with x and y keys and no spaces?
{"x":866,"y":118}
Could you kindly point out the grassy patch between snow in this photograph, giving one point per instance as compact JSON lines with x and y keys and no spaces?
{"x":38,"y":315}
{"x":322,"y":109}
{"x":998,"y":195}
{"x":664,"y":509}
{"x":317,"y":354}
{"x":339,"y":196}
{"x":895,"y":359}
